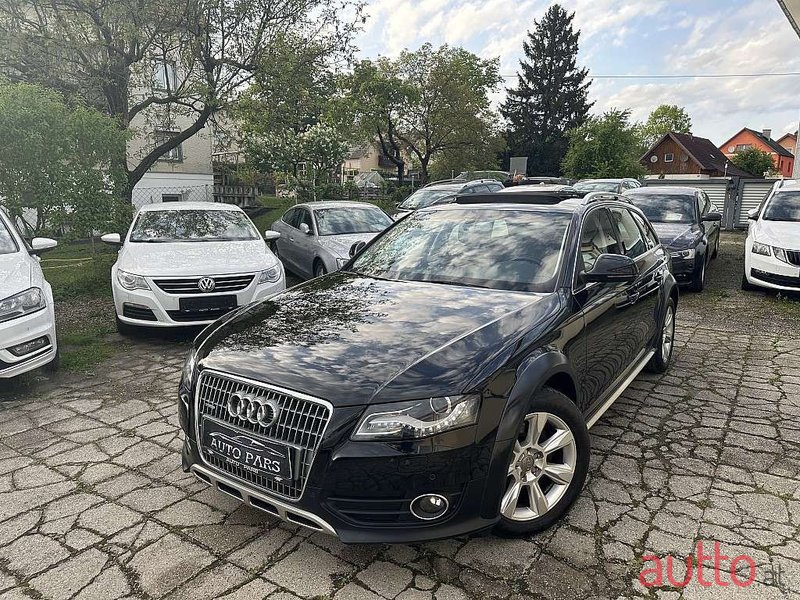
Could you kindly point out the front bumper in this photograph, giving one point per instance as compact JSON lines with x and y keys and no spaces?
{"x":24,"y":329}
{"x":769,"y":272}
{"x":361,"y":491}
{"x":156,"y":308}
{"x":683,"y":269}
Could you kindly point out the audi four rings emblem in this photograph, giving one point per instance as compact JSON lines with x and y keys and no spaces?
{"x":206,"y":284}
{"x":255,"y":410}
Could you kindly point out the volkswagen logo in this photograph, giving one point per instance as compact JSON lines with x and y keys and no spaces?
{"x":253,"y":409}
{"x":206,"y":284}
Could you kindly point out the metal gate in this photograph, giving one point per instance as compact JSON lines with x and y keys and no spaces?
{"x":721,"y":191}
{"x":749,"y":196}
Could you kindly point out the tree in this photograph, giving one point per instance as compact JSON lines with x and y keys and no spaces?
{"x":56,"y":159}
{"x":424,"y":103}
{"x":551,"y":96}
{"x":604,"y":146}
{"x":754,"y":161}
{"x":664,"y":119}
{"x":372,"y":100}
{"x":166,"y":64}
{"x":483,"y":156}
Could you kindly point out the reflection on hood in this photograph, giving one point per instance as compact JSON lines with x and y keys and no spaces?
{"x":347,"y":338}
{"x":678,"y":235}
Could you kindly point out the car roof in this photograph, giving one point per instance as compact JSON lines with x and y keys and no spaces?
{"x":614,"y":180}
{"x":565,"y":206}
{"x":455,"y":185}
{"x":663,"y":190}
{"x":158,"y":206}
{"x":536,"y":188}
{"x":321,"y":204}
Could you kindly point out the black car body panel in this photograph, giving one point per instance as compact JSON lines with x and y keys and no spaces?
{"x":357,"y":341}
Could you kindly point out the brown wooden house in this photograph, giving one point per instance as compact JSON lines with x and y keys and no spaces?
{"x":686,"y":154}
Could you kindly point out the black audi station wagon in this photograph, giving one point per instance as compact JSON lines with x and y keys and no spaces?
{"x":444,"y":381}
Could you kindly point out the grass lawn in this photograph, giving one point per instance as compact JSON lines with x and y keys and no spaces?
{"x":81,"y":281}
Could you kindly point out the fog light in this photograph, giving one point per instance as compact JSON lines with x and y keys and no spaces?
{"x":31,"y":346}
{"x":429,"y":506}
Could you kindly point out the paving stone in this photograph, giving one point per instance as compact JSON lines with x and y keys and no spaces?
{"x":108,"y":518}
{"x":211,"y":584}
{"x":167,"y":563}
{"x":385,"y":578}
{"x":65,"y":580}
{"x":294,"y":574}
{"x":32,"y":554}
{"x":497,"y":555}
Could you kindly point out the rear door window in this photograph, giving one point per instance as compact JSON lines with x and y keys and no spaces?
{"x":630,"y":237}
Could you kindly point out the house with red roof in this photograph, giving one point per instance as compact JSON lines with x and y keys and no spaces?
{"x":782,"y":158}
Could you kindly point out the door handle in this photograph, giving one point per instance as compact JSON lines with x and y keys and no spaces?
{"x":291,"y":239}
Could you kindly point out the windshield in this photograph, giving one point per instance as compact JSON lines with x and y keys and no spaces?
{"x":193,"y":226}
{"x":784,"y":206}
{"x":666,"y":208}
{"x":597,"y":186}
{"x":499,"y":249}
{"x":8,"y":245}
{"x":341,"y":221}
{"x":423,"y":198}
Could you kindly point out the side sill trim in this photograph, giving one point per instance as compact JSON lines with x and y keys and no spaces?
{"x":620,"y":388}
{"x":277,"y":508}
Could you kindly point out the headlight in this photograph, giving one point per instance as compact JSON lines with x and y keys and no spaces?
{"x":417,"y":419}
{"x":684,"y":254}
{"x":780,"y":254}
{"x":340,"y":262}
{"x":270,"y":275}
{"x":759,"y":248}
{"x":21,"y":304}
{"x":131,"y":282}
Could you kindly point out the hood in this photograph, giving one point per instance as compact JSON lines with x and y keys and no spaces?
{"x":354,"y":340}
{"x":15,"y":274}
{"x":783,"y":234}
{"x":340,"y":244}
{"x":194,"y":258}
{"x":678,"y":235}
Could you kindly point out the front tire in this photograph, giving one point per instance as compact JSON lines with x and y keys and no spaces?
{"x":125,"y":329}
{"x":547,"y":467}
{"x":716,"y":248}
{"x":699,"y":278}
{"x":666,"y":341}
{"x":319,"y":268}
{"x":746,"y":285}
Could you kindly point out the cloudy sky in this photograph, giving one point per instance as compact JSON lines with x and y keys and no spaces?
{"x":629,"y":37}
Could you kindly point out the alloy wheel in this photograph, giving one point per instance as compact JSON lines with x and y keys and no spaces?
{"x":668,"y":334}
{"x":541,"y":469}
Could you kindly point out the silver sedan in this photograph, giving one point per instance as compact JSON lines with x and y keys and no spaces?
{"x":316,"y":237}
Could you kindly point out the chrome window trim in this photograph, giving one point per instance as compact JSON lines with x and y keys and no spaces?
{"x":268,"y":386}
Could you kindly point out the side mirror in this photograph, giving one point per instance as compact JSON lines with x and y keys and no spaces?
{"x":112,"y":239}
{"x":712,"y":216}
{"x":39,"y":245}
{"x":304,"y":228}
{"x":356,"y":248}
{"x":613,"y":268}
{"x":271,"y":236}
{"x":752,"y":214}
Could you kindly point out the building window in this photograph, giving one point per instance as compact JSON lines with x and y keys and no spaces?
{"x":740,"y":147}
{"x":173,"y":154}
{"x":164,"y":75}
{"x":669,"y":157}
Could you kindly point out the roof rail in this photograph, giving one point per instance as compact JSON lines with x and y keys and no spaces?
{"x":597,"y":196}
{"x":442,"y":181}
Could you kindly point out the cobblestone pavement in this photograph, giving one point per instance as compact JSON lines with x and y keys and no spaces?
{"x":93,"y":503}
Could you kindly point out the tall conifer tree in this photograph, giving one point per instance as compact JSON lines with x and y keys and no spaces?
{"x":551,"y":96}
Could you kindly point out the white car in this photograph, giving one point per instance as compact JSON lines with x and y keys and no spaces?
{"x":27,"y":319}
{"x":189,"y":263}
{"x":772,"y":249}
{"x":316,"y":237}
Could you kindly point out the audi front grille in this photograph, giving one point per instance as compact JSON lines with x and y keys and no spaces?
{"x":300,"y":423}
{"x":189,"y":285}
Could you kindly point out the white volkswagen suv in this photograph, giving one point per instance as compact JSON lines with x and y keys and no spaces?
{"x":772,"y":249}
{"x":189,"y":263}
{"x":27,"y":320}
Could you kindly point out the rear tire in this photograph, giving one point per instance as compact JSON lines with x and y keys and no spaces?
{"x":661,"y":359}
{"x":699,"y":278}
{"x":552,"y":440}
